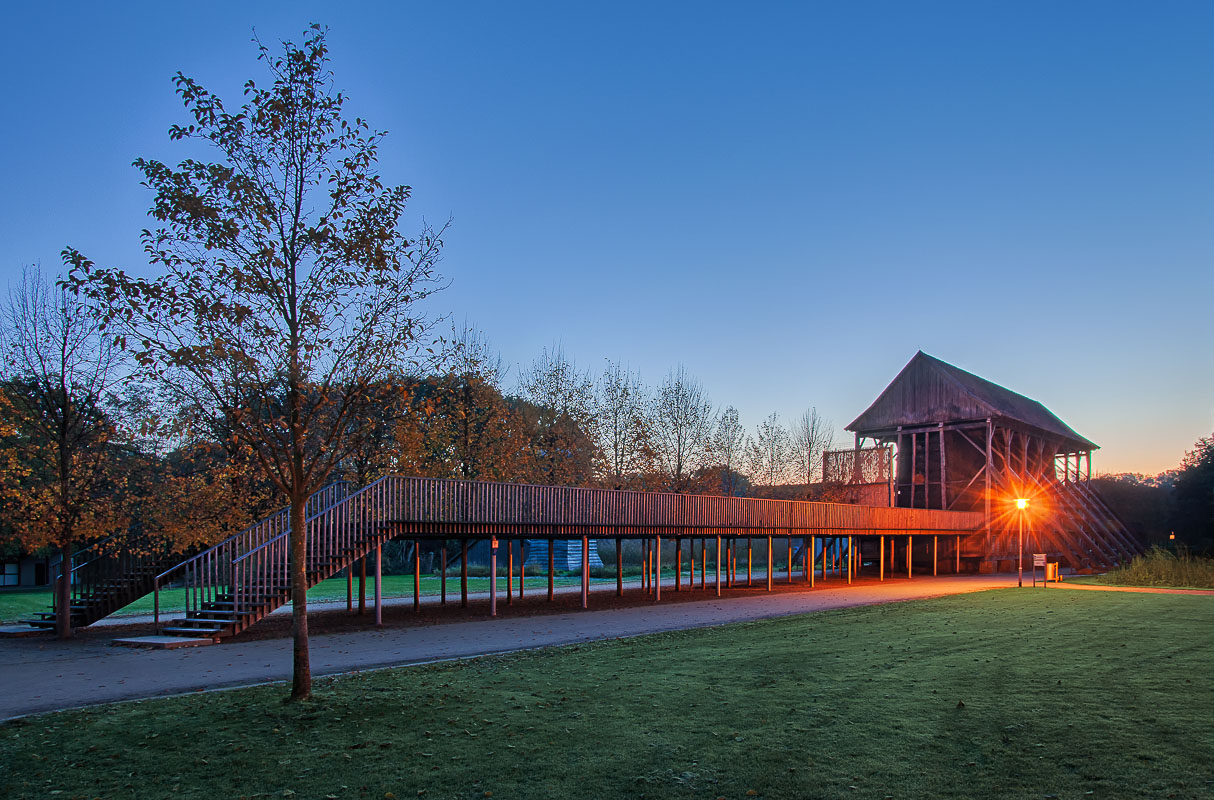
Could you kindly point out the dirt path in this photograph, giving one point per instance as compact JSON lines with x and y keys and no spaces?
{"x":47,"y":674}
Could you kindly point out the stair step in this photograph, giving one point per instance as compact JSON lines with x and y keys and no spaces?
{"x":199,"y":632}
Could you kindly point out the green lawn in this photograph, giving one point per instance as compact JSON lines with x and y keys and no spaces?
{"x":21,"y":604}
{"x":1001,"y":694}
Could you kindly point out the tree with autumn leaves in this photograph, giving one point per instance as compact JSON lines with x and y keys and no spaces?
{"x":288,"y":294}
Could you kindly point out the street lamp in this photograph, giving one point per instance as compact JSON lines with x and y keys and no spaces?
{"x":1021,"y":505}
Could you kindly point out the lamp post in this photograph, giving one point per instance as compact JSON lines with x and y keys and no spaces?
{"x":1021,"y":504}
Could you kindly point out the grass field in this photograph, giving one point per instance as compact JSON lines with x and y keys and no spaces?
{"x":21,"y":604}
{"x":1000,"y":694}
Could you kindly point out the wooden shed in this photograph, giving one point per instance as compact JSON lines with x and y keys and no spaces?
{"x":967,"y":444}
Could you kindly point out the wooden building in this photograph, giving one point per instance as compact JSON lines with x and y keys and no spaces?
{"x":964,"y":443}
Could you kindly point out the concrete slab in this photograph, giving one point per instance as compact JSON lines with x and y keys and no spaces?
{"x":161,"y":642}
{"x":22,"y":631}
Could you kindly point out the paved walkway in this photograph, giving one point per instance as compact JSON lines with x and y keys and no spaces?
{"x":45,"y":674}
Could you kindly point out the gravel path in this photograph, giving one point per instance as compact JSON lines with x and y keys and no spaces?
{"x":45,"y":674}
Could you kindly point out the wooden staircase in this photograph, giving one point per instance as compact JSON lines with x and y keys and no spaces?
{"x":1076,"y":527}
{"x":112,"y":574}
{"x":239,"y":582}
{"x":106,"y":577}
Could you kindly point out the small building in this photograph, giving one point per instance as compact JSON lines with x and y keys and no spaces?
{"x":964,"y":443}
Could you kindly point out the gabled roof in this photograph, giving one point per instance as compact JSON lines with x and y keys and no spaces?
{"x":929,"y":391}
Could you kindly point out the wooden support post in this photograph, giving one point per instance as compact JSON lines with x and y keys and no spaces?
{"x":849,"y":560}
{"x":551,"y":568}
{"x":493,"y":576}
{"x":522,"y":566}
{"x":585,"y":571}
{"x":678,"y":564}
{"x":509,"y":572}
{"x":417,"y":576}
{"x":644,"y":565}
{"x":703,"y":564}
{"x":811,"y":557}
{"x":619,"y":568}
{"x":910,"y":558}
{"x":691,"y":579}
{"x":718,"y":565}
{"x":362,"y":586}
{"x":881,"y":560}
{"x":443,"y":574}
{"x":957,"y":568}
{"x":657,"y":568}
{"x":729,"y":563}
{"x":790,"y":558}
{"x":749,"y":560}
{"x":379,"y":584}
{"x":463,"y":574}
{"x":350,"y":588}
{"x":771,"y":563}
{"x":935,"y":554}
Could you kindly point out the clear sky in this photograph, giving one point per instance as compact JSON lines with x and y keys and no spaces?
{"x":789,"y":199}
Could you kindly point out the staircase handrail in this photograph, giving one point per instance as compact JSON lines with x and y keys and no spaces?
{"x":207,"y":559}
{"x":263,"y":521}
{"x":310,"y":518}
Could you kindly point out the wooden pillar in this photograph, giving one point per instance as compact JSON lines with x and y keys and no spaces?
{"x":729,"y":563}
{"x":522,"y":566}
{"x":691,"y":578}
{"x":585,"y":572}
{"x":657,"y":568}
{"x":442,"y":580}
{"x":943,"y":471}
{"x":718,"y":566}
{"x":881,"y":560}
{"x":379,"y":584}
{"x":463,"y":573}
{"x":644,"y":565}
{"x":910,"y":560}
{"x":362,"y":586}
{"x":350,"y":588}
{"x":790,"y":558}
{"x":417,"y":575}
{"x":619,"y":568}
{"x":678,"y":564}
{"x":750,"y":557}
{"x":935,"y":554}
{"x":811,"y":556}
{"x":703,"y":564}
{"x":493,"y":576}
{"x":771,"y":562}
{"x":957,"y":568}
{"x":551,"y":567}
{"x":509,"y":572}
{"x":849,"y":560}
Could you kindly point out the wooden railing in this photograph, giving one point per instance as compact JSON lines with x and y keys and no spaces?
{"x":208,"y":574}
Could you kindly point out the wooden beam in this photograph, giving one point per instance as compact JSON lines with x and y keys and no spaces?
{"x":770,"y":563}
{"x":849,"y":560}
{"x":379,"y":584}
{"x":881,"y":559}
{"x":718,"y":566}
{"x":657,"y":568}
{"x":463,"y":574}
{"x":552,"y":566}
{"x":585,"y":571}
{"x":442,"y":581}
{"x":619,"y":568}
{"x":493,"y":576}
{"x":811,"y":557}
{"x":417,"y":575}
{"x":678,"y":565}
{"x":935,"y":554}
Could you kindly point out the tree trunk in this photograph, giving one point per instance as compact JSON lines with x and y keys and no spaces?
{"x":63,"y":617}
{"x":301,"y":687}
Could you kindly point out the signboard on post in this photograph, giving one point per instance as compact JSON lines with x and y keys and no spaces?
{"x":1039,"y":561}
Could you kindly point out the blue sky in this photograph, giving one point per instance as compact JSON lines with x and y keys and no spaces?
{"x":789,"y":199}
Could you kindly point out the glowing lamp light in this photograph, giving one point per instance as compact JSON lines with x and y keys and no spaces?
{"x":1022,"y":503}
